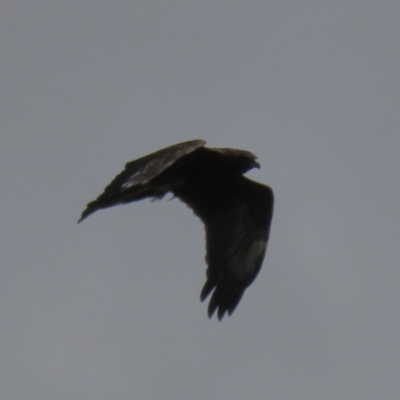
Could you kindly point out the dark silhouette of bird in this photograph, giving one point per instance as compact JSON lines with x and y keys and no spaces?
{"x":235,"y":210}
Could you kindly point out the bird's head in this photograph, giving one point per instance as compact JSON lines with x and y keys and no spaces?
{"x":239,"y":160}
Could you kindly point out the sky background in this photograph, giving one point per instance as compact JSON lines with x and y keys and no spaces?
{"x":109,"y":309}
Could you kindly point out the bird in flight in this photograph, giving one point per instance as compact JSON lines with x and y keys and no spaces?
{"x":235,"y":210}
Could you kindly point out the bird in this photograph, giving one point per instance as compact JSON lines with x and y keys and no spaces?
{"x":236,"y":211}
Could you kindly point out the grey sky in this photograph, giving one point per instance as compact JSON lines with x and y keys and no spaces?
{"x":110,"y":309}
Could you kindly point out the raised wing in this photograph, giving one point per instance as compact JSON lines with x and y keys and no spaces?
{"x":142,"y":170}
{"x":134,"y":182}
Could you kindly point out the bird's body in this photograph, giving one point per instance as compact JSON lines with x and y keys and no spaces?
{"x":236,"y":211}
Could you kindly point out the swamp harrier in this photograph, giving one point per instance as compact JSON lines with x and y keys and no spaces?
{"x":235,"y":210}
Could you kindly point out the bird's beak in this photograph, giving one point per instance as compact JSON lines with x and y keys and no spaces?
{"x":256,"y":163}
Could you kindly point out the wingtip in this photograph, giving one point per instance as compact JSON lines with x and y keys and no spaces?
{"x":211,"y":312}
{"x":85,"y":214}
{"x":220,"y":313}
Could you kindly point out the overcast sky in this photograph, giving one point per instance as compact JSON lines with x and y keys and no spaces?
{"x":109,"y":309}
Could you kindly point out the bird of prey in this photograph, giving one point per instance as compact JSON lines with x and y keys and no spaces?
{"x":235,"y":210}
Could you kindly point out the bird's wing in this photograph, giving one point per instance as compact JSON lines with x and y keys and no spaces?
{"x":133,"y":183}
{"x":237,"y":218}
{"x":142,"y":170}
